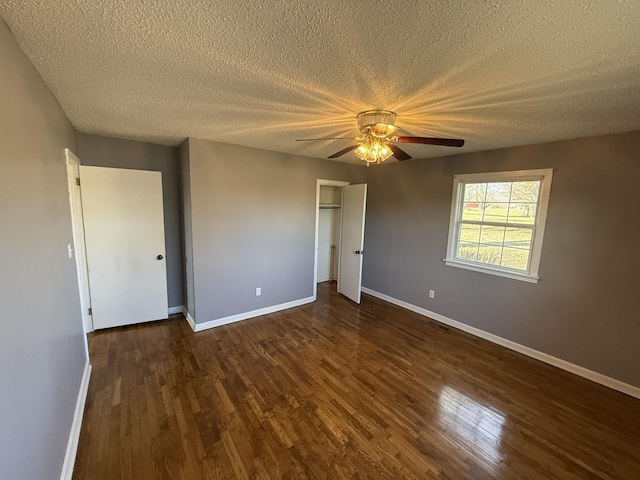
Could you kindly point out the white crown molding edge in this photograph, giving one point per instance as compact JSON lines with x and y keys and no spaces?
{"x":530,"y":352}
{"x":76,"y":425}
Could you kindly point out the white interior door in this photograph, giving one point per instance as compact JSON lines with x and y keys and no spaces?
{"x":354,"y":201}
{"x":124,"y":235}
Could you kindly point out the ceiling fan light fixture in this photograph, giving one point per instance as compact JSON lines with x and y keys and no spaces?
{"x":376,"y":143}
{"x":373,"y":150}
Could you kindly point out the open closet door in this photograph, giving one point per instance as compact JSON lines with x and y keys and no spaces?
{"x":354,"y":203}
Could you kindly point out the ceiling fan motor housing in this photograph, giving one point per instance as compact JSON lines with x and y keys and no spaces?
{"x":378,"y":123}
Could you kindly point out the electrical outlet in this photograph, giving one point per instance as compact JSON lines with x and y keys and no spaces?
{"x":70,"y":250}
{"x":432,"y":294}
{"x":258,"y":291}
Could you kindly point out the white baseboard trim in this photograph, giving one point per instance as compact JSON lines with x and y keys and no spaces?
{"x":189,"y":318}
{"x":530,"y":352}
{"x":198,"y":327}
{"x":76,"y":425}
{"x":173,"y":310}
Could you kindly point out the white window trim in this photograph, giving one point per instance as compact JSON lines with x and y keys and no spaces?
{"x":544,"y":176}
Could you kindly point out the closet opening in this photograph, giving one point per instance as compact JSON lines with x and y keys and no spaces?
{"x":328,"y":231}
{"x":329,"y":225}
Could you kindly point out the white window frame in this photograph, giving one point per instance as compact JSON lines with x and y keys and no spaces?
{"x":544,"y":176}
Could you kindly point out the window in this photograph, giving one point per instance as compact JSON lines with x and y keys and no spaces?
{"x":497,"y":222}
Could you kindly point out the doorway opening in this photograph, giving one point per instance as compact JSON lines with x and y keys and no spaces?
{"x":329,"y":226}
{"x":328,"y":231}
{"x":340,"y":218}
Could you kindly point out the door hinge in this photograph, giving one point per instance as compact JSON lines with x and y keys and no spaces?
{"x":90,"y":311}
{"x":77,"y":181}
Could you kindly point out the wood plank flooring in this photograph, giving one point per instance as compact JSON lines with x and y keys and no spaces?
{"x":333,"y":390}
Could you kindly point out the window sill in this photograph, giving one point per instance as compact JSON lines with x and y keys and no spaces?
{"x":524,"y":277}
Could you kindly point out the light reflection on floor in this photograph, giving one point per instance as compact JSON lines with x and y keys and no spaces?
{"x":476,"y":427}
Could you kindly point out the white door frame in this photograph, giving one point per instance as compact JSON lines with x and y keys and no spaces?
{"x":319,"y":183}
{"x":79,"y":251}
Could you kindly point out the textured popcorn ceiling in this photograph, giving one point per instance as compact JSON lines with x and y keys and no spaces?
{"x":263,"y":73}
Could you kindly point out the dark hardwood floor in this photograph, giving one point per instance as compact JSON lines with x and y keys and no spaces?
{"x":335,"y":390}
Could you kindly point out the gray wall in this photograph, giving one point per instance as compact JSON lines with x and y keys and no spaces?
{"x":253,"y":225}
{"x":102,"y":151}
{"x":585,"y":309}
{"x":183,"y":155}
{"x":42,"y":353}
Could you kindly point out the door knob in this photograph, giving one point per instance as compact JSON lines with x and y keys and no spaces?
{"x":159,"y":257}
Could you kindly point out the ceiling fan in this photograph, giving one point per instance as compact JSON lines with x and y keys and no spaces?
{"x":376,"y":143}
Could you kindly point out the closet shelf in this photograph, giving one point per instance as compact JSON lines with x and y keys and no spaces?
{"x":329,"y":205}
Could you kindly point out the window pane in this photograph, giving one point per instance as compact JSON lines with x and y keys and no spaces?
{"x":518,"y":238}
{"x":474,"y":192}
{"x":525,"y":191}
{"x":472,"y":211}
{"x":470,"y":233}
{"x":496,"y":212}
{"x":499,"y":192}
{"x":489,"y":254}
{"x":467,"y":251}
{"x":521,"y":212}
{"x":492,"y":235}
{"x":515,"y":258}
